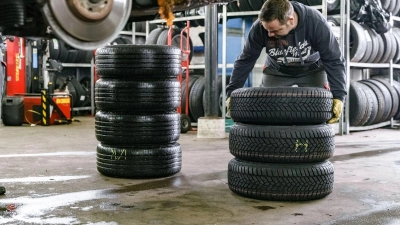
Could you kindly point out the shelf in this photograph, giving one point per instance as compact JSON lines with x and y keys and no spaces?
{"x":396,"y":18}
{"x":76,"y":65}
{"x":369,"y":65}
{"x":361,"y":128}
{"x":124,"y":32}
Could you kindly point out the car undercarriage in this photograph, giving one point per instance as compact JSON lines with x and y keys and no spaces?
{"x":83,"y":24}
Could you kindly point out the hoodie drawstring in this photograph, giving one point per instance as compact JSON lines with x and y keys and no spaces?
{"x":298,"y":48}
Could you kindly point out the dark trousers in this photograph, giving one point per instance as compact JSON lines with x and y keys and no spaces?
{"x":315,"y":78}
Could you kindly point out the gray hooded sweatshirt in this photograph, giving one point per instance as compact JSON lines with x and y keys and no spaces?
{"x":305,"y":48}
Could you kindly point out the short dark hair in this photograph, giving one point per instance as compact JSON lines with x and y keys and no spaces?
{"x":276,"y":10}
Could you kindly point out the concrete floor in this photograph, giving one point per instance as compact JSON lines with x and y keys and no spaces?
{"x":51,"y":178}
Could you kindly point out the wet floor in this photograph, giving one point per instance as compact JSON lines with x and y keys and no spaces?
{"x":51,"y":178}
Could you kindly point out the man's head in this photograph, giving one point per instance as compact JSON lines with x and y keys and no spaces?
{"x":277,"y":17}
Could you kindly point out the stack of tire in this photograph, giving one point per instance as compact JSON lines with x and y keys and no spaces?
{"x":281,"y":143}
{"x":367,"y":46}
{"x":136,"y":123}
{"x":373,"y":101}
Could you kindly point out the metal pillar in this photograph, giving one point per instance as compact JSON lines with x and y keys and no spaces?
{"x":211,"y":61}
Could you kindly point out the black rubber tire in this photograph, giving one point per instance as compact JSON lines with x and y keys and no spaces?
{"x":256,"y":5}
{"x":153,"y":36}
{"x":380,"y":104}
{"x":72,"y":55}
{"x":186,"y":123}
{"x":282,"y":144}
{"x":374,"y":45}
{"x":381,"y":48}
{"x":396,"y":57}
{"x":234,"y":6}
{"x":396,"y":9}
{"x":281,"y":105}
{"x":358,"y":43}
{"x":372,"y":103}
{"x":192,"y":80}
{"x":244,"y":5}
{"x":394,"y":98}
{"x":144,"y":50}
{"x":387,"y":99}
{"x":123,"y":128}
{"x":196,"y":109}
{"x":281,"y":182}
{"x":135,"y":69}
{"x":396,"y":86}
{"x":388,"y":46}
{"x":63,"y":55}
{"x":137,"y":96}
{"x":82,"y":96}
{"x":358,"y":105}
{"x":139,"y":161}
{"x":54,"y":49}
{"x":385,"y":4}
{"x":369,"y":47}
{"x":392,"y":6}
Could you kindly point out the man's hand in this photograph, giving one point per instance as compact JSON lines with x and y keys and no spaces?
{"x":336,"y":110}
{"x":228,"y":107}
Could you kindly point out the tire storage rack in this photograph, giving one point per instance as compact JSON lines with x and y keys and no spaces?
{"x":281,"y":149}
{"x":374,"y":91}
{"x":137,"y":124}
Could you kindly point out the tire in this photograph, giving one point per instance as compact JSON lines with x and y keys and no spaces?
{"x":234,"y":6}
{"x":394,"y":98}
{"x":134,"y":68}
{"x":396,"y":57}
{"x":387,"y":99}
{"x":137,"y":96}
{"x":375,"y":45}
{"x":54,"y":49}
{"x":63,"y":55}
{"x":186,"y":124}
{"x":396,"y":86}
{"x":358,"y":43}
{"x":244,"y":5}
{"x":185,"y":91}
{"x":282,"y":144}
{"x":142,"y":129}
{"x":359,"y":113}
{"x":388,"y":46}
{"x":380,"y":104}
{"x":139,"y":161}
{"x":381,"y":48}
{"x":153,"y":36}
{"x":281,"y":105}
{"x":369,"y":47}
{"x":256,"y":5}
{"x":372,"y":104}
{"x":196,"y":99}
{"x":385,"y":4}
{"x":281,"y":182}
{"x":72,"y":55}
{"x":396,"y":9}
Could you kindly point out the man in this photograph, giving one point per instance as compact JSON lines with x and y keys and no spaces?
{"x":301,"y":49}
